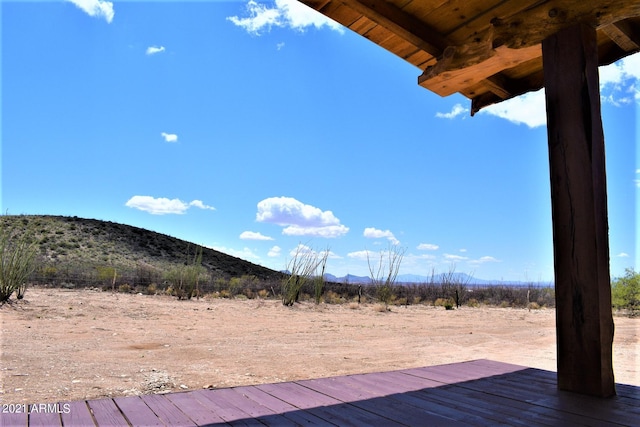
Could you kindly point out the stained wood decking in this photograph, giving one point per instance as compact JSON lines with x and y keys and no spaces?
{"x":478,"y":393}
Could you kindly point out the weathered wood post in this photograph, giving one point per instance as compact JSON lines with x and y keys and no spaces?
{"x":584,"y":321}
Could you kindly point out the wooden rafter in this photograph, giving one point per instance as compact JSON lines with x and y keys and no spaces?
{"x":622,"y":35}
{"x":400,"y":23}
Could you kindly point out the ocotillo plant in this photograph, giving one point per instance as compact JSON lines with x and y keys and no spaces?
{"x":17,"y":256}
{"x":303,"y":268}
{"x":384,"y":276}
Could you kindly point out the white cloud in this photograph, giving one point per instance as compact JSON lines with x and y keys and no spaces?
{"x":529,"y":109}
{"x":279,"y":46}
{"x":199,"y":204}
{"x":152,"y":50}
{"x":162,"y":205}
{"x":252,"y":235}
{"x":428,"y":247}
{"x":359,"y":255}
{"x":286,"y":14}
{"x":326,"y":231}
{"x":274,"y":252}
{"x":169,"y":137}
{"x":457,"y":110}
{"x":302,"y":250}
{"x":637,"y":181}
{"x":483,"y":260}
{"x":298,"y":218}
{"x":620,"y":81}
{"x":623,"y":255}
{"x":96,"y":8}
{"x":450,"y":257}
{"x":374,"y":233}
{"x":619,"y":85}
{"x":244,"y":253}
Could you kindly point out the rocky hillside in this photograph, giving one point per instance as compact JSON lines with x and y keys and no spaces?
{"x":89,"y":248}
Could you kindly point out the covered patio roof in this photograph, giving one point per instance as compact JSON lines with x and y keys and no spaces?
{"x":486,"y":50}
{"x":493,"y":50}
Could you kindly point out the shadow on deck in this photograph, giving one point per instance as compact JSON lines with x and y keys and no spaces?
{"x":478,"y":393}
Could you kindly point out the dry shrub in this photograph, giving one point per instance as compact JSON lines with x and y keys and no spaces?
{"x":381,"y":308}
{"x":354,"y":306}
{"x":400,"y":301}
{"x":125,"y":288}
{"x":534,"y":306}
{"x":332,"y":297}
{"x":152,"y":289}
{"x":505,"y":304}
{"x":473,"y":303}
{"x":263,"y":293}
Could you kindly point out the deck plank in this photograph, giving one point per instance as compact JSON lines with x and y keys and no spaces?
{"x":137,"y":412}
{"x":191,"y":406}
{"x":44,"y":419}
{"x":11,"y":419}
{"x":166,"y":411}
{"x":479,"y":393}
{"x":77,"y":415}
{"x":219,"y":403}
{"x":106,"y":413}
{"x":324,"y":407}
{"x":287,"y":410}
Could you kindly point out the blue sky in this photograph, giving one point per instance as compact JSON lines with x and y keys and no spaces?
{"x":255,"y":127}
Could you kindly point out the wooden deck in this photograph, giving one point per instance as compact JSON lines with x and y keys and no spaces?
{"x":478,"y":393}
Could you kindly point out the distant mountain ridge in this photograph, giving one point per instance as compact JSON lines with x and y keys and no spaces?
{"x":461,"y":278}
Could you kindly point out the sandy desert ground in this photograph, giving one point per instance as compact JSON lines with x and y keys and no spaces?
{"x":61,"y":345}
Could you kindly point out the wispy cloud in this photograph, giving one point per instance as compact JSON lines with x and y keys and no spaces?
{"x":152,"y":50}
{"x":96,"y":8}
{"x":427,"y":247}
{"x":298,"y":218}
{"x":622,"y":255}
{"x":163,"y":206}
{"x":637,"y":181}
{"x":285,"y":13}
{"x":252,"y":235}
{"x":374,"y":233}
{"x":169,"y":137}
{"x":457,"y":110}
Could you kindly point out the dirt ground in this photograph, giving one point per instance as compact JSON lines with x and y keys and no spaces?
{"x":61,"y":345}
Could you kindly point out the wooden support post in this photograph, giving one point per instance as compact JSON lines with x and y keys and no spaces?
{"x":584,"y":321}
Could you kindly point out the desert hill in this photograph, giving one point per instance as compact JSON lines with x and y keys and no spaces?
{"x":85,"y":250}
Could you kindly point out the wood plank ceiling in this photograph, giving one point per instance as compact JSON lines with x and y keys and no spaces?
{"x":487,"y":50}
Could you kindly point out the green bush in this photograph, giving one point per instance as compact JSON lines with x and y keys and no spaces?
{"x":625,"y":292}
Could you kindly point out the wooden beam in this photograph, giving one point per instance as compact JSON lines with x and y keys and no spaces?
{"x":402,"y":24}
{"x":533,"y":25}
{"x":621,"y":34}
{"x":509,"y":38}
{"x":584,"y":321}
{"x":464,"y":66}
